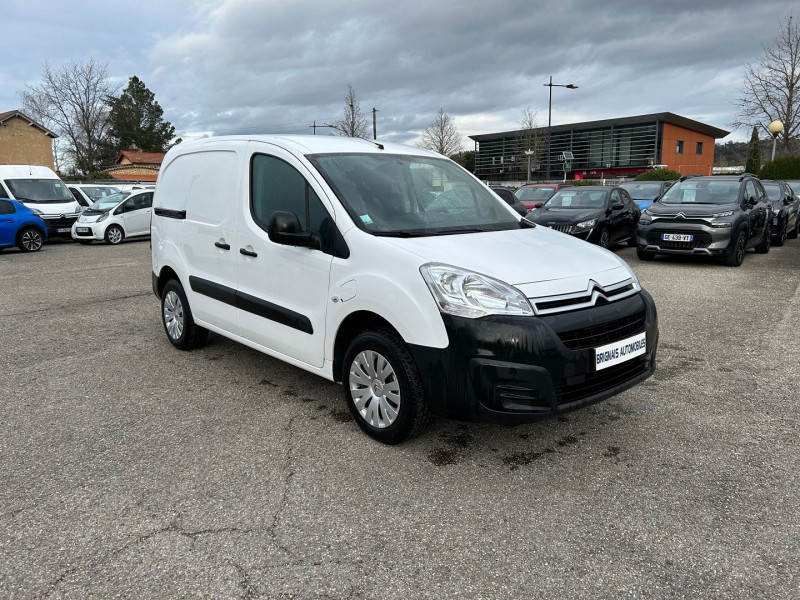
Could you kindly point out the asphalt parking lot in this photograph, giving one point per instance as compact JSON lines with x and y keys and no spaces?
{"x":130,"y":469}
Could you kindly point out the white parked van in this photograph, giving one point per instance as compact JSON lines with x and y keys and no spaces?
{"x":394,"y":271}
{"x":41,"y":190}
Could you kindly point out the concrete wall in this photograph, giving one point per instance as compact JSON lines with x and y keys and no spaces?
{"x":23,"y":144}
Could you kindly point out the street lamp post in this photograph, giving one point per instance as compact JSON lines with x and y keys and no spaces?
{"x":529,"y":153}
{"x":551,"y":85}
{"x":775,"y":128}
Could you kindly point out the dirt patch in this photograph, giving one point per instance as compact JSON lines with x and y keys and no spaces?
{"x":442,"y":457}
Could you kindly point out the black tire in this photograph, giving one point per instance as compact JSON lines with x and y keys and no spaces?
{"x":176,"y":317}
{"x":604,"y":238}
{"x":766,"y":243}
{"x":30,"y":239}
{"x":736,"y":257}
{"x":412,"y":411}
{"x":85,"y":242}
{"x":781,"y":239}
{"x":114,"y":235}
{"x":645,"y":255}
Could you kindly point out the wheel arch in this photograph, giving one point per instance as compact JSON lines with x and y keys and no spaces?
{"x":355,"y":323}
{"x":166,"y":274}
{"x":26,"y":226}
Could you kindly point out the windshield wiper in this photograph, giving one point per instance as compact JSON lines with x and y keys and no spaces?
{"x":400,"y":234}
{"x":525,"y":222}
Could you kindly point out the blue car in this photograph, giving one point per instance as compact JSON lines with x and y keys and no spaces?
{"x":19,"y":226}
{"x":645,"y":192}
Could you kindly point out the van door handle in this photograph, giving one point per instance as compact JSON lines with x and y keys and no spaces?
{"x":247,"y":252}
{"x":222,"y":245}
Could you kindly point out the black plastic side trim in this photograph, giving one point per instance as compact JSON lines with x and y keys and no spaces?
{"x":252,"y":304}
{"x":169,"y":213}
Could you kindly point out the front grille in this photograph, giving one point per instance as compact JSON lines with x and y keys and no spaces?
{"x":603,"y":333}
{"x":599,"y":381}
{"x":59,"y":222}
{"x":562,"y":228}
{"x":701,"y":239}
{"x":610,"y":296}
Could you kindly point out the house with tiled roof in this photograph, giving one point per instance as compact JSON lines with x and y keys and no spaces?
{"x":23,"y":141}
{"x":135,"y":165}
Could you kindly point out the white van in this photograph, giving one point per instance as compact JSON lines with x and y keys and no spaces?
{"x":394,"y":271}
{"x":41,"y":190}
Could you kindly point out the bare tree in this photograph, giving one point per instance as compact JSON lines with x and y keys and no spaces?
{"x":354,"y":122}
{"x":532,"y":140}
{"x":771,"y":89}
{"x":72,"y":101}
{"x":442,"y":135}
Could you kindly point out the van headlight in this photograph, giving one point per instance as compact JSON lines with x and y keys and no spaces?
{"x":472,"y":295}
{"x":102,"y":217}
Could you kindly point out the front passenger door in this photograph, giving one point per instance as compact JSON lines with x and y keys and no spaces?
{"x":8,"y":223}
{"x":283,"y":290}
{"x":620,"y":217}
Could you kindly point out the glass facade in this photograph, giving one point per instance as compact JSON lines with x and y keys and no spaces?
{"x":612,"y":147}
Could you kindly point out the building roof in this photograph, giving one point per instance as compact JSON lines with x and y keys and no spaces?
{"x":133,"y":172}
{"x":665,"y":117}
{"x":10,"y":114}
{"x":141,"y":158}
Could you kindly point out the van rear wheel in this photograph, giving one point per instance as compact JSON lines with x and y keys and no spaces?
{"x":176,"y":316}
{"x":383,"y":388}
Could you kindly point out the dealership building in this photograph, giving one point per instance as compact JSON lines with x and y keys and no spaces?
{"x":610,"y":148}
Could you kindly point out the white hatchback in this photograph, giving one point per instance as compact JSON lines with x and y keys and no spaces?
{"x":115,"y":218}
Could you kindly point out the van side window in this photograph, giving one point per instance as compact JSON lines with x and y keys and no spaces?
{"x":276,"y":185}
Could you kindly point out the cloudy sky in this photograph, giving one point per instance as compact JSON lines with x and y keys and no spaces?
{"x":276,"y":66}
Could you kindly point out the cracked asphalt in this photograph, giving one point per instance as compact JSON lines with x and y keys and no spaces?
{"x":132,"y":470}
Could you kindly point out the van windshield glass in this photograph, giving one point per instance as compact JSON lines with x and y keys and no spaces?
{"x":40,"y":191}
{"x":406,"y":195}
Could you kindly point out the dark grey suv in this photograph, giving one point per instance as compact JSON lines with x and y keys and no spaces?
{"x":707,"y":216}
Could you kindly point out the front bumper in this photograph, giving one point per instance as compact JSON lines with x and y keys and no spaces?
{"x":90,"y":231}
{"x":521,"y":369}
{"x":708,"y":241}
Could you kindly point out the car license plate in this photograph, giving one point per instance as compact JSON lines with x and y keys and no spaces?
{"x":63,"y":230}
{"x":618,"y":352}
{"x":676,"y":237}
{"x":83,"y":230}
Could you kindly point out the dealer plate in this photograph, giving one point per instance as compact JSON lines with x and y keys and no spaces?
{"x":676,"y":237}
{"x":63,"y":230}
{"x":618,"y":352}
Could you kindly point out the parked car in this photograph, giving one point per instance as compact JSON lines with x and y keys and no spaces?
{"x":86,"y":194}
{"x":40,"y":189}
{"x":386,"y":267}
{"x":509,"y":198}
{"x":21,"y":227}
{"x":785,"y":211}
{"x":644,"y":192}
{"x":718,"y":216}
{"x":602,"y":215}
{"x":532,"y":193}
{"x":115,"y":218}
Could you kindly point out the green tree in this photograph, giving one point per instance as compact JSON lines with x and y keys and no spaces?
{"x":658,"y":175}
{"x":783,"y":167}
{"x":753,"y":164}
{"x":466,"y":159}
{"x":136,"y":119}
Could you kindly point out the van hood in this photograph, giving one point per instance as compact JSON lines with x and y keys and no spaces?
{"x":538,"y":261}
{"x":53,"y":208}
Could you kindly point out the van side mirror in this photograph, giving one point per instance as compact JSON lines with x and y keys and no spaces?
{"x":284,"y":228}
{"x":539,"y":204}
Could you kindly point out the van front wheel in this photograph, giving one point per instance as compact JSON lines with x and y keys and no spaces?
{"x":176,"y":316}
{"x":383,"y":388}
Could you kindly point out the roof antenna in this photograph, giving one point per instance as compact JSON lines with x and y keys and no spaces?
{"x":379,"y":145}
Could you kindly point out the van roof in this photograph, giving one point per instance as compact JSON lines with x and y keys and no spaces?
{"x":26,"y":172}
{"x":305,"y":144}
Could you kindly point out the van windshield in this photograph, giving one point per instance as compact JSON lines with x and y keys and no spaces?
{"x":40,"y":191}
{"x":406,"y":195}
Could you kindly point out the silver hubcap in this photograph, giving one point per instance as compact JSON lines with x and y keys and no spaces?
{"x":31,"y":240}
{"x":374,"y":389}
{"x":173,"y":315}
{"x":114,"y":235}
